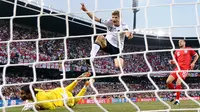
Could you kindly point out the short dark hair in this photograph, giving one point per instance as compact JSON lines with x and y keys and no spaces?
{"x":26,"y":89}
{"x":116,"y":12}
{"x":182,"y":39}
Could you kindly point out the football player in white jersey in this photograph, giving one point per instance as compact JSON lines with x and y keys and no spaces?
{"x":110,"y":42}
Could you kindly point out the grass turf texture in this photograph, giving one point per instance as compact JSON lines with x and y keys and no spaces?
{"x":118,"y":107}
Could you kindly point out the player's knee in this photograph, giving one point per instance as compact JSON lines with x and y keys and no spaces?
{"x":100,"y":40}
{"x":100,"y":37}
{"x":168,"y":81}
{"x":178,"y":82}
{"x":119,"y":62}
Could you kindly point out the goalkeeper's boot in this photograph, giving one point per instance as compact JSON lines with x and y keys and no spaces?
{"x":177,"y":102}
{"x":173,"y":97}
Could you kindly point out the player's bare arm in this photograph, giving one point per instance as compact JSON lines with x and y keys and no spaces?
{"x":89,"y":13}
{"x":129,"y":35}
{"x":196,"y":56}
{"x":173,"y":61}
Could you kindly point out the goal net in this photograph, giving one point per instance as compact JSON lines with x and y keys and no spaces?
{"x":46,"y":47}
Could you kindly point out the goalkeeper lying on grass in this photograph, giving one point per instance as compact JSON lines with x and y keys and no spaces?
{"x":57,"y":93}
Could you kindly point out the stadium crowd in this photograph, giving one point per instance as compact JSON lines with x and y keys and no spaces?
{"x":133,"y":83}
{"x":51,"y":50}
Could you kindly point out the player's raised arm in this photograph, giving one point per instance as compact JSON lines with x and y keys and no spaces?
{"x":89,"y":13}
{"x":172,"y":61}
{"x":194,"y":61}
{"x":129,"y":35}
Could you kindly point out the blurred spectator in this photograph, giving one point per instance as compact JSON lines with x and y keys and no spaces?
{"x":102,"y":86}
{"x":52,"y":50}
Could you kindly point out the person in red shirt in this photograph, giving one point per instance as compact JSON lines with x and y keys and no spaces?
{"x":183,"y":57}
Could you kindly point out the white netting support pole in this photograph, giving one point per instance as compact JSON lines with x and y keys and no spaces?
{"x":148,"y":64}
{"x":68,"y":6}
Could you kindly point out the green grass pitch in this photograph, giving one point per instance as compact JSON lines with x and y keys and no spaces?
{"x":118,"y":107}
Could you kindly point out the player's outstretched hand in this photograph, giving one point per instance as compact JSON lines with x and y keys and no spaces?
{"x":192,"y":66}
{"x":129,"y":35}
{"x":83,"y":7}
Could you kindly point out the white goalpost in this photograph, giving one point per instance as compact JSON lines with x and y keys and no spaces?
{"x":145,"y":35}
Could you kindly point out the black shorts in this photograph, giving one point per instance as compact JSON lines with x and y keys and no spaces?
{"x":110,"y":49}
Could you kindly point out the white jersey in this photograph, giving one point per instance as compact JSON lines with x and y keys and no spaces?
{"x":112,"y":33}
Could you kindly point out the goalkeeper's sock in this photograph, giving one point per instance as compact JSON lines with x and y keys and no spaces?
{"x":170,"y":86}
{"x":178,"y":92}
{"x":95,"y":49}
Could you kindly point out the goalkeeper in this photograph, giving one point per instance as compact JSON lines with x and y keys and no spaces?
{"x":57,"y":93}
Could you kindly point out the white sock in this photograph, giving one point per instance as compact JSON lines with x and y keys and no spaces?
{"x":174,"y":94}
{"x":95,"y":49}
{"x":85,"y":87}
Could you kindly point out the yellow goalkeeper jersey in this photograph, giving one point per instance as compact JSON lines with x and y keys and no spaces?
{"x":44,"y":95}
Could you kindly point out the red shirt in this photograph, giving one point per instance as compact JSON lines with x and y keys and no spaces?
{"x":184,"y":57}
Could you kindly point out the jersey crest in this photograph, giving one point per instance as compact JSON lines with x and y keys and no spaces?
{"x":178,"y":54}
{"x":185,"y":51}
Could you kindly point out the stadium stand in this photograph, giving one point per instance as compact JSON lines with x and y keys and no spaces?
{"x":50,"y":50}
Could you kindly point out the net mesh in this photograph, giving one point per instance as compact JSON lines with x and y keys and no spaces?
{"x":38,"y":52}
